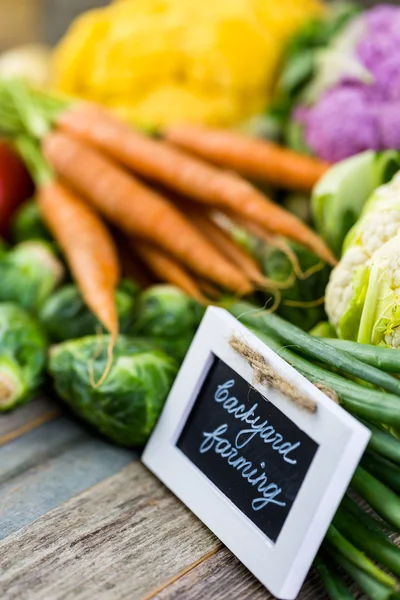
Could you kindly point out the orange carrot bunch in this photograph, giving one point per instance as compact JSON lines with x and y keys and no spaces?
{"x":160,"y":196}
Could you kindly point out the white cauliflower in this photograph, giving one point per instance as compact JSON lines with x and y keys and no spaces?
{"x":339,"y":291}
{"x":380,"y":318}
{"x":365,"y":246}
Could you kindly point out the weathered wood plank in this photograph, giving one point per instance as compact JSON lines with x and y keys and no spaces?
{"x":49,"y":465}
{"x":118,"y":540}
{"x":26,"y":418}
{"x":223,"y":576}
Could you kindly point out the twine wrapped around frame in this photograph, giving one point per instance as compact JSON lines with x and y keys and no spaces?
{"x":265,"y":374}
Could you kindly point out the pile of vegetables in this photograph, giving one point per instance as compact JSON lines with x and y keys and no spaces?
{"x":173,"y":217}
{"x":348,"y":63}
{"x":170,"y":226}
{"x":130,"y":236}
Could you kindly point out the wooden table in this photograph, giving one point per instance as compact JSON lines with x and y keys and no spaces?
{"x":83,"y":520}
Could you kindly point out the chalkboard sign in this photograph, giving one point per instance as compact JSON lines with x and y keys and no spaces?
{"x":247,"y":447}
{"x":265,"y":475}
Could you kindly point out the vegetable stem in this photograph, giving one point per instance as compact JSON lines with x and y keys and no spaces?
{"x":373,"y":588}
{"x":341,"y":544}
{"x":385,"y":359}
{"x":382,"y":469}
{"x":374,"y":544}
{"x":334,"y":586}
{"x":384,"y":443}
{"x":371,"y":404}
{"x":382,"y":499}
{"x":31,"y":155}
{"x":311,"y":346}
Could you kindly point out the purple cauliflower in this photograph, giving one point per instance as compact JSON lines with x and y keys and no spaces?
{"x":342,"y":123}
{"x":355,"y":116}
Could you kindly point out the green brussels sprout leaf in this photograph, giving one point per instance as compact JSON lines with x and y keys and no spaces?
{"x":65,"y":316}
{"x":29,"y":272}
{"x":23,"y":349}
{"x":170,"y":316}
{"x":125,"y":408}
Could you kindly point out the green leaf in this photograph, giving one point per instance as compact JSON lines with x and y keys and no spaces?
{"x":125,"y":408}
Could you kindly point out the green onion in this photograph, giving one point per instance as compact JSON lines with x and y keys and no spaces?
{"x":383,"y":442}
{"x":312,"y":346}
{"x":382,"y":499}
{"x":370,"y":404}
{"x":383,"y":469}
{"x":335,"y":539}
{"x":386,"y":359}
{"x":373,"y":588}
{"x":365,"y":518}
{"x":375,"y":544}
{"x":334,"y":586}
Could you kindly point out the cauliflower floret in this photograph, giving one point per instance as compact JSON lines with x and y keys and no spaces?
{"x":378,"y":228}
{"x":339,"y":291}
{"x":378,"y":225}
{"x":393,"y":339}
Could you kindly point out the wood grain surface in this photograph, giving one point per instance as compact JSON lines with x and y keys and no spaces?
{"x":77,"y":523}
{"x":223,"y":576}
{"x":26,"y":418}
{"x":49,"y":465}
{"x":118,"y":540}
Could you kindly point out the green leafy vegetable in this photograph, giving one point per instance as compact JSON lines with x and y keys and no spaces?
{"x":126,"y":406}
{"x":323,"y":329}
{"x":341,"y":194}
{"x":65,"y":316}
{"x":362,"y":296}
{"x":170,"y":316}
{"x":23,"y":348}
{"x":29,"y":272}
{"x":28,"y":225}
{"x":302,"y":302}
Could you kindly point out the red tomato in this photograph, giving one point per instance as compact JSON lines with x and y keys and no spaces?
{"x":15,"y":184}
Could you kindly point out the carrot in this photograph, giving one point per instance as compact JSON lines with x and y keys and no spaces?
{"x":88,"y":248}
{"x":227,"y":246}
{"x":137,"y":209}
{"x":167,"y":269}
{"x":193,"y":178}
{"x":257,"y":159}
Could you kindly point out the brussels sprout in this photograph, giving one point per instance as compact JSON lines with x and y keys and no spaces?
{"x":29,"y":272}
{"x":65,"y":316}
{"x":28,"y":224}
{"x":13,"y":390}
{"x":170,"y":316}
{"x":23,"y":348}
{"x":126,"y":406}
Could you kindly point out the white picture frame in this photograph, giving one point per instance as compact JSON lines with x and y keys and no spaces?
{"x":281,"y":566}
